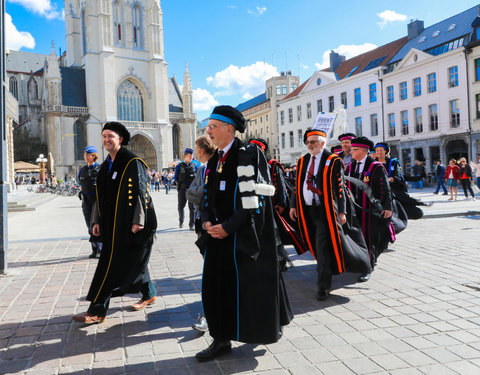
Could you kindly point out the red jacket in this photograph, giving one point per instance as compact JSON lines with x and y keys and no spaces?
{"x":455,"y":169}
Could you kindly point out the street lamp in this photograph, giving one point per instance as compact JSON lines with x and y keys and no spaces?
{"x":41,"y":160}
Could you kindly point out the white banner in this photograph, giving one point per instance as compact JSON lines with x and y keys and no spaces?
{"x":324,"y":122}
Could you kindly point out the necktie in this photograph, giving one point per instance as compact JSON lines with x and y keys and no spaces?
{"x":220,"y":154}
{"x":311,"y":177}
{"x":357,"y":169}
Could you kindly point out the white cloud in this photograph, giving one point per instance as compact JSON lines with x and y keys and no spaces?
{"x":203,"y":100}
{"x":244,"y":80}
{"x":388,"y":16}
{"x":232,"y":6}
{"x":258,"y":11}
{"x":44,"y":8}
{"x":247,"y":96}
{"x":348,"y":51}
{"x":15,"y":39}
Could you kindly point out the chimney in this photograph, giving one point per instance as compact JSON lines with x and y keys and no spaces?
{"x":335,"y":60}
{"x":415,"y":28}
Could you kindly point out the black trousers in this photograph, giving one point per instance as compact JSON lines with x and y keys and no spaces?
{"x":88,"y":204}
{"x":466,"y":184}
{"x":182,"y":201}
{"x":100,"y":308}
{"x":322,"y":244}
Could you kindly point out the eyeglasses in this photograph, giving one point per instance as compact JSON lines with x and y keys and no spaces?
{"x":311,"y":142}
{"x":211,"y":127}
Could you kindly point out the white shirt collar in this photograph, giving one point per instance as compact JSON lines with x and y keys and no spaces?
{"x":227,"y":147}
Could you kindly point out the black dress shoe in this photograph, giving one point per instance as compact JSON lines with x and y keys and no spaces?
{"x":93,"y":254}
{"x":216,"y":348}
{"x":323,"y":294}
{"x":364,"y":277}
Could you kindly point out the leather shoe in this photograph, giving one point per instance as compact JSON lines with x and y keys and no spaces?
{"x":88,"y":319}
{"x":93,"y":254}
{"x":364,"y":277}
{"x":216,"y":348}
{"x":143,"y":303}
{"x":323,"y":294}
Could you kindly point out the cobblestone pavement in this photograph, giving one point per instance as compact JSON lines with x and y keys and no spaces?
{"x":418,"y":314}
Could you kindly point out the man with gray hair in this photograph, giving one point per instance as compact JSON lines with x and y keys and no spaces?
{"x":319,"y":204}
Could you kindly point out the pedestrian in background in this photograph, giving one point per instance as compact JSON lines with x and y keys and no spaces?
{"x":451,"y":177}
{"x":476,"y":170}
{"x":125,"y":217}
{"x":440,"y":174}
{"x":465,"y":176}
{"x":87,"y":178}
{"x":419,"y":171}
{"x":184,"y":175}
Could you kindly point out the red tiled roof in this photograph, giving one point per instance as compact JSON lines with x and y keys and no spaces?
{"x":296,"y":91}
{"x":388,"y":50}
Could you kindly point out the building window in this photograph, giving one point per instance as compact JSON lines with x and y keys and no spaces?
{"x":417,"y":86}
{"x":13,"y":86}
{"x":283,"y":140}
{"x":84,"y":31}
{"x":477,"y":101}
{"x":404,"y":115}
{"x":279,"y":90}
{"x":129,"y":102}
{"x":433,"y":114}
{"x":432,"y":82}
{"x":293,"y":87}
{"x":373,"y":92}
{"x":358,"y":97}
{"x":299,"y":113}
{"x":391,"y":124}
{"x":137,"y":26}
{"x":282,"y":118}
{"x":266,"y":119}
{"x":261,"y":119}
{"x":290,"y":115}
{"x":32,"y":89}
{"x":374,"y":124}
{"x":390,"y":97}
{"x":117,"y":22}
{"x":477,"y":69}
{"x":358,"y":126}
{"x":454,"y":113}
{"x":269,"y":91}
{"x":453,"y":76}
{"x":403,"y":90}
{"x":343,"y":99}
{"x":319,"y":106}
{"x":292,"y":141}
{"x":79,"y":139}
{"x":418,"y":120}
{"x":284,"y":89}
{"x":309,"y":110}
{"x":300,"y":138}
{"x":331,"y":103}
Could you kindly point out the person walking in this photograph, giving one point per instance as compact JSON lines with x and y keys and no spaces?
{"x":243,"y":293}
{"x":125,"y":216}
{"x":451,"y":178}
{"x":346,"y":153}
{"x":87,"y":178}
{"x":476,"y":170}
{"x":465,"y":176}
{"x":440,"y":174}
{"x":319,"y":204}
{"x":184,"y":175}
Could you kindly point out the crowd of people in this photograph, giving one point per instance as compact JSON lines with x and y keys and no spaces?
{"x":344,"y":206}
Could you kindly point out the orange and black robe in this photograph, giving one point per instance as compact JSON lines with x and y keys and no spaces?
{"x":349,"y":251}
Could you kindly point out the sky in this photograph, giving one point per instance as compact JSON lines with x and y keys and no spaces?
{"x":233,"y":46}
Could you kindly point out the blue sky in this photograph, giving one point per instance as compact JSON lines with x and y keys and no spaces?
{"x":232,"y":46}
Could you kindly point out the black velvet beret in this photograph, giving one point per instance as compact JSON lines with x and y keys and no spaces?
{"x":363,"y":142}
{"x":260,"y":142}
{"x":341,"y":137}
{"x":310,"y":132}
{"x":229,"y":115}
{"x":120,"y":129}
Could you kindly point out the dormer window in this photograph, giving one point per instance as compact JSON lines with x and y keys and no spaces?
{"x":451,"y":27}
{"x":421,"y":40}
{"x":436,"y":33}
{"x":319,"y":81}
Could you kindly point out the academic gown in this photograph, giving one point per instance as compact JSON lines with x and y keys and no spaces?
{"x":122,"y":267}
{"x":349,"y":251}
{"x":377,"y":231}
{"x":243,"y":294}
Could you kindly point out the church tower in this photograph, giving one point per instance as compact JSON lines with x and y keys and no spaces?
{"x":187,"y":93}
{"x":119,"y":44}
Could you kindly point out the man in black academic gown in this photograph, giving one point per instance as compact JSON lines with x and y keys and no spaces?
{"x":376,"y":227}
{"x":125,"y":217}
{"x":243,"y":294}
{"x":319,"y":204}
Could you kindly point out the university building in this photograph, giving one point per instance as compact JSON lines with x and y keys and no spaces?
{"x":114,"y":69}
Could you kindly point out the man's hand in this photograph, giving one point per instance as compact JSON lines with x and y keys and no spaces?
{"x":207,"y":225}
{"x":216,"y":231}
{"x":96,"y":230}
{"x":136,"y":228}
{"x":342,"y":217}
{"x":390,"y":179}
{"x":293,"y":214}
{"x":386,"y":214}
